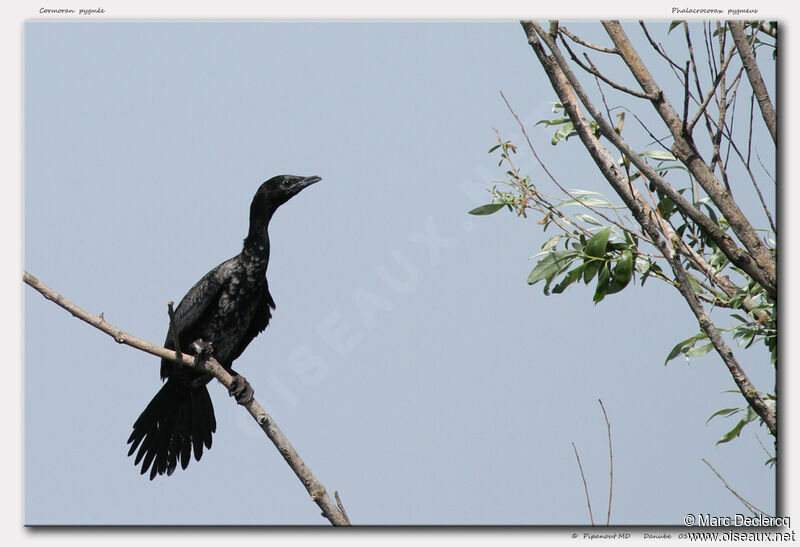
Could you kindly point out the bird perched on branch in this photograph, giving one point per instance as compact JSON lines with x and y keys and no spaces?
{"x":220,"y":315}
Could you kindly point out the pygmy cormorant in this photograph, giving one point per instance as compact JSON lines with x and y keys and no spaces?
{"x":220,"y":315}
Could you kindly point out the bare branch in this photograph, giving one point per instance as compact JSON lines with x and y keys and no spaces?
{"x":755,"y":184}
{"x":692,"y":62}
{"x":752,"y":508}
{"x":341,"y":507}
{"x":711,"y":92}
{"x":754,"y":75}
{"x":317,"y":491}
{"x":591,"y":69}
{"x":659,"y":49}
{"x":584,"y":43}
{"x":761,"y":163}
{"x":611,"y":463}
{"x":585,"y":487}
{"x":764,"y":448}
{"x":686,"y":97}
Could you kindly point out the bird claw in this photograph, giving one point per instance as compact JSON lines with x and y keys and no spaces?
{"x":201,"y":347}
{"x":241,"y":390}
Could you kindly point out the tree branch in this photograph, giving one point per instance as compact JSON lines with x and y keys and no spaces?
{"x":711,"y":92}
{"x":591,"y":69}
{"x":565,"y":85}
{"x":759,"y":262}
{"x":317,"y":491}
{"x":611,"y":463}
{"x":585,"y":487}
{"x":754,"y":75}
{"x":584,"y":43}
{"x":769,"y":28}
{"x":726,"y":244}
{"x":753,"y":509}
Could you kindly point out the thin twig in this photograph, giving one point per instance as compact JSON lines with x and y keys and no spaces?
{"x":686,"y":99}
{"x":173,"y":331}
{"x":752,"y":508}
{"x":550,"y":175}
{"x":584,"y":43}
{"x":693,"y":64}
{"x":761,"y":163}
{"x":603,"y":98}
{"x":755,"y":184}
{"x":556,"y":215}
{"x":317,"y":491}
{"x":764,"y":448}
{"x":611,"y":463}
{"x":585,"y":487}
{"x":591,"y":69}
{"x":340,"y":506}
{"x":658,"y":48}
{"x":711,"y":91}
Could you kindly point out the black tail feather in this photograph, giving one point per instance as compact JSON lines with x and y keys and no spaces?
{"x":179,"y":420}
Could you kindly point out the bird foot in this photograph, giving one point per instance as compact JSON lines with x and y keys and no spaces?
{"x":241,"y":390}
{"x":202,"y":348}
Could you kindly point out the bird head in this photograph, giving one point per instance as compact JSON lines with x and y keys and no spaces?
{"x":275,"y":192}
{"x":271,"y":195}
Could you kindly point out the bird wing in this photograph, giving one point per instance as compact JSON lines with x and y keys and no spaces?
{"x":192,"y":307}
{"x":258,"y":323}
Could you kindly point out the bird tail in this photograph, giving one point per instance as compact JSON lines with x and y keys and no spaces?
{"x":178,"y":419}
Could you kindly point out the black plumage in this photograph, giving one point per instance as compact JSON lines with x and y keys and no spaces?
{"x":221,"y":314}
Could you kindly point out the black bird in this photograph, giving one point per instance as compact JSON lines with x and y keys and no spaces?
{"x":220,"y":315}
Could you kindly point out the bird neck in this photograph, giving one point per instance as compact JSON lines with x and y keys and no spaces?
{"x":256,"y":244}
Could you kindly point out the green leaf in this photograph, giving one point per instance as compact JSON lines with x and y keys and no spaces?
{"x":602,"y":284}
{"x":590,"y":267}
{"x":726,"y":411}
{"x":487,"y":209}
{"x":733,"y":433}
{"x":495,"y":147}
{"x":742,"y":319}
{"x":552,"y":242}
{"x":647,"y":268}
{"x":589,"y":219}
{"x":660,"y":155}
{"x":623,"y":271}
{"x":698,"y":351}
{"x":632,"y":240}
{"x":568,"y":280}
{"x":682,"y":346}
{"x":596,"y":246}
{"x":672,"y":25}
{"x":749,"y":416}
{"x":550,"y":265}
{"x":598,"y":197}
{"x":666,"y":207}
{"x":562,"y":133}
{"x":586,"y":202}
{"x":557,"y":121}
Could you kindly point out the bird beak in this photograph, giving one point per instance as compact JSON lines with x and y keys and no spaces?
{"x":307,"y":181}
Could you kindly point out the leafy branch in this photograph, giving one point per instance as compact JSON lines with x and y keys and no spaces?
{"x":686,"y":234}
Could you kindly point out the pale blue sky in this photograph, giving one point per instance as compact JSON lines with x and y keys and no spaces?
{"x":408,"y":361}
